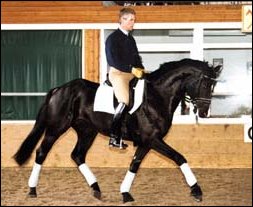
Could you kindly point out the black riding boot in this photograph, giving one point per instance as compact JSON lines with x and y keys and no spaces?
{"x":115,"y":134}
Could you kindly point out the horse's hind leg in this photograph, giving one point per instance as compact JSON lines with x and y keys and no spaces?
{"x":163,"y":148}
{"x":41,"y":154}
{"x":86,"y":137}
{"x":129,"y":177}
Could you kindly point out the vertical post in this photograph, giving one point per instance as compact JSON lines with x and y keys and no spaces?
{"x":92,"y":54}
{"x":197,"y":51}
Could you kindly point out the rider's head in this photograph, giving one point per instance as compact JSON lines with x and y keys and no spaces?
{"x":127,"y":18}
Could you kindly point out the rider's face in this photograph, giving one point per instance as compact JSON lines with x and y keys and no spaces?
{"x":127,"y":22}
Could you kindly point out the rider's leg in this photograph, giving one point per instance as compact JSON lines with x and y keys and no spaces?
{"x":120,"y":81}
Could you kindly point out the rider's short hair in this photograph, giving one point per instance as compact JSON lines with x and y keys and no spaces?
{"x":126,"y":10}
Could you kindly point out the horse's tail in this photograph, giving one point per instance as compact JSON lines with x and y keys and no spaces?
{"x":28,"y":145}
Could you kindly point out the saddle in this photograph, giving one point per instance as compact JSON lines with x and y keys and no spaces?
{"x":105,"y":100}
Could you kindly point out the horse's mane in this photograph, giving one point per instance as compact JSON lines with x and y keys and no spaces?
{"x":174,"y":65}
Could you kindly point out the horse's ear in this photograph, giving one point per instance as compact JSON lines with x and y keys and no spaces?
{"x":218,"y":69}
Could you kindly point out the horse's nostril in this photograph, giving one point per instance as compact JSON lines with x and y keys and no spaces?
{"x":202,"y":114}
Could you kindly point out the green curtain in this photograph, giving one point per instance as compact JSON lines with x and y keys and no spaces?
{"x":20,"y":107}
{"x":35,"y":61}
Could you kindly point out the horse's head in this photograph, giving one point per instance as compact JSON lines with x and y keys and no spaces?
{"x":200,"y":88}
{"x":196,"y":78}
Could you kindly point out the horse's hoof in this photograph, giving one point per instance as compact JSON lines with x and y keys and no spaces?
{"x":97,"y":194}
{"x":96,"y":190}
{"x":127,"y":197}
{"x":198,"y":198}
{"x":196,"y":192}
{"x":32,"y":193}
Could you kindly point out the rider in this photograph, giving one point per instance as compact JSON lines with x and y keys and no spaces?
{"x":125,"y":64}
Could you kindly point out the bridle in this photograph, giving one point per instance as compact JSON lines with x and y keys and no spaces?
{"x":196,"y":101}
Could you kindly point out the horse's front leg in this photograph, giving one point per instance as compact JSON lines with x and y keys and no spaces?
{"x":91,"y":179}
{"x":163,"y":148}
{"x":130,"y":175}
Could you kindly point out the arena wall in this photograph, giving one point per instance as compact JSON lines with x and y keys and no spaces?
{"x":204,"y":146}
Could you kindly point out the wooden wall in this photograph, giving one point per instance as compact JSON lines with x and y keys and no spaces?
{"x":18,"y":12}
{"x":204,"y":146}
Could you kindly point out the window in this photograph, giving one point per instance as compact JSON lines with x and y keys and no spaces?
{"x":233,"y":93}
{"x":158,"y":46}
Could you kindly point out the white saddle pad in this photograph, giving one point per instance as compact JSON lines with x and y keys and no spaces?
{"x":104,"y":98}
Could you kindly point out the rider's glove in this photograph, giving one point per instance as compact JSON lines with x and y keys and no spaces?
{"x":138,"y":72}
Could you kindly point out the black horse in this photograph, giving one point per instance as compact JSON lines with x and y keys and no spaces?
{"x":71,"y":105}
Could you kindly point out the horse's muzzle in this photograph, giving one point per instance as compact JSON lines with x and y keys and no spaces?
{"x":203,"y":110}
{"x":203,"y":114}
{"x":203,"y":107}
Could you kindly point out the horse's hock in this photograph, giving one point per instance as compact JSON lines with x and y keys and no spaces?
{"x":204,"y":146}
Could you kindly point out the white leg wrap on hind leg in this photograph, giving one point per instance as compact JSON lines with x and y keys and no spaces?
{"x":127,"y":182}
{"x":188,"y":174}
{"x":89,"y":176}
{"x":34,"y":177}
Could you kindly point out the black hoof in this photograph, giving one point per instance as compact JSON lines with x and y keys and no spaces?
{"x":127,"y":197}
{"x":97,"y":194}
{"x":196,"y":192}
{"x":32,"y":193}
{"x":96,"y":190}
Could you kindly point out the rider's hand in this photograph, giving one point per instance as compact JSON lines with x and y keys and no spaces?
{"x":138,"y":72}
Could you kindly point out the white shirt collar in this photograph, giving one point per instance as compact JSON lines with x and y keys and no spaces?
{"x":124,"y":31}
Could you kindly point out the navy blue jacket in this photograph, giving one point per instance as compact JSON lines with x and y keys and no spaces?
{"x":121,"y":52}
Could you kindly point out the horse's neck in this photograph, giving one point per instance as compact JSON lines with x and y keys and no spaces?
{"x":169,"y":89}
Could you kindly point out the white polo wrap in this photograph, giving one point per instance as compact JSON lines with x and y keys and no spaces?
{"x":127,"y":182}
{"x":188,"y":174}
{"x":89,"y":176}
{"x":34,"y":177}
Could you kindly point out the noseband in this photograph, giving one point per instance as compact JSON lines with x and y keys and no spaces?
{"x":199,"y":100}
